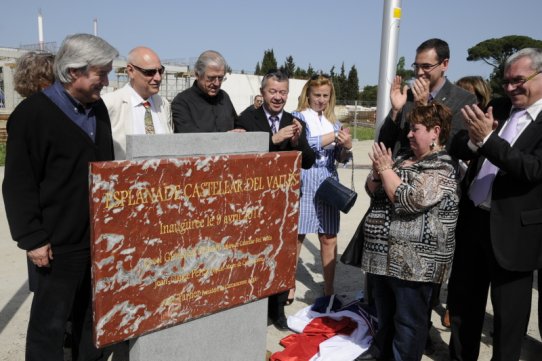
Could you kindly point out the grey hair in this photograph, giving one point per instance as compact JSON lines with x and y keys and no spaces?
{"x":534,"y":54}
{"x":277,"y":75}
{"x":209,"y":58}
{"x":81,"y":51}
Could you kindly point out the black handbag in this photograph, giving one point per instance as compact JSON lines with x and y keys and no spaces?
{"x":334,"y":193}
{"x":353,"y":253}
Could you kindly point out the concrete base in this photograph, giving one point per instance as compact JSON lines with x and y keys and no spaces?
{"x":235,"y":334}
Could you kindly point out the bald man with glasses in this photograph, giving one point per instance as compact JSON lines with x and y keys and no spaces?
{"x":430,"y":84}
{"x":137,"y":108}
{"x":204,"y":107}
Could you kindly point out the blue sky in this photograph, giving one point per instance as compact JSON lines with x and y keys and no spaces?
{"x":322,"y":33}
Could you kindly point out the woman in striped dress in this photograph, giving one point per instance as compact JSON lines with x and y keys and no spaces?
{"x":330,"y":142}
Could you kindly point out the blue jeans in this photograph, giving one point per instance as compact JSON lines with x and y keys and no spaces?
{"x":403,"y":310}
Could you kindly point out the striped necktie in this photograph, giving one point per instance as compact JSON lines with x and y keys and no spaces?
{"x":149,"y":126}
{"x":274,"y":123}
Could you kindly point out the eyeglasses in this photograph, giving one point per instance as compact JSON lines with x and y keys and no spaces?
{"x":149,"y":72}
{"x":425,"y":67}
{"x":519,"y":80}
{"x":212,"y":79}
{"x":316,"y":76}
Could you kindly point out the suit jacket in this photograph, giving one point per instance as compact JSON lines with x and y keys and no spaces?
{"x":516,"y":200}
{"x":394,"y":134}
{"x":255,"y":120}
{"x":119,"y":105}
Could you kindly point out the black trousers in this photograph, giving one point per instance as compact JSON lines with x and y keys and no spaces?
{"x":474,"y":270}
{"x":62,"y":288}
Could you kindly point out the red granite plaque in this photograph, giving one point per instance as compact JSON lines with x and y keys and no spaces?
{"x":179,"y":238}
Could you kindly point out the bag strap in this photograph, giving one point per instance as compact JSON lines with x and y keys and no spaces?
{"x":352,"y":178}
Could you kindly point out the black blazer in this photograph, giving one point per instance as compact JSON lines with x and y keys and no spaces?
{"x":516,"y":200}
{"x":255,"y":120}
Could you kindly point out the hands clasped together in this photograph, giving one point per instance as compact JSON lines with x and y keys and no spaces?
{"x":291,"y":132}
{"x":398,"y":95}
{"x":478,"y":123}
{"x":381,"y":158}
{"x":41,"y":256}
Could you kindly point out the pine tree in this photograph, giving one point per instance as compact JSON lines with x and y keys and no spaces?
{"x":268,"y":62}
{"x":289,"y":66}
{"x":352,"y":84}
{"x":257,"y":71}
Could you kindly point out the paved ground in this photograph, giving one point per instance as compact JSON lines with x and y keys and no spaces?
{"x":15,"y":299}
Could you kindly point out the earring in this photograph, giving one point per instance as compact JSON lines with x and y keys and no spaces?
{"x":432,"y":145}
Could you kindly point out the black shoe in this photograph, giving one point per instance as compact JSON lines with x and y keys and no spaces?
{"x":281,"y":323}
{"x":367,"y":355}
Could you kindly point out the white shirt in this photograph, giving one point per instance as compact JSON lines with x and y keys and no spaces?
{"x":138,"y":113}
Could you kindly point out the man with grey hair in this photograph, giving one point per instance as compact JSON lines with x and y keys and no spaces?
{"x":53,"y":135}
{"x":205,"y":107}
{"x":500,"y":216}
{"x":137,"y":108}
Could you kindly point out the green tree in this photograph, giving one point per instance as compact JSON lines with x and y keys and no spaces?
{"x":300,"y":73}
{"x":289,"y":66}
{"x":340,"y":86}
{"x":351,"y":91}
{"x":369,"y":93}
{"x":258,"y":70}
{"x":495,"y":52}
{"x":268,"y":62}
{"x":310,"y":71}
{"x":406,"y":74}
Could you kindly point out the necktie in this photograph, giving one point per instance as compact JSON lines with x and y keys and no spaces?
{"x":274,"y":123}
{"x":479,"y":189}
{"x":149,"y":126}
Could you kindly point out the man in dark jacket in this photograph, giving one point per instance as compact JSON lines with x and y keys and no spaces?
{"x":52,"y":137}
{"x":205,"y":108}
{"x":285,"y":133}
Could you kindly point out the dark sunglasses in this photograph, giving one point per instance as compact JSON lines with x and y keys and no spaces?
{"x":149,"y":72}
{"x":316,"y":76}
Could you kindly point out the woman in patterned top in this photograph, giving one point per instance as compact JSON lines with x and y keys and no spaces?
{"x":330,"y":142}
{"x":409,"y":231}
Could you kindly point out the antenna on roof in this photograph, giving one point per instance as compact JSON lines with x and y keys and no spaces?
{"x":95,"y":27}
{"x":40,"y":31}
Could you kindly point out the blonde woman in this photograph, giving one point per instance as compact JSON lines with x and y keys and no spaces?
{"x":330,"y":142}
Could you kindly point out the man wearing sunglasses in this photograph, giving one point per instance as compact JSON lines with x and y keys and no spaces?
{"x":430,"y":84}
{"x":137,"y":108}
{"x":204,"y":107}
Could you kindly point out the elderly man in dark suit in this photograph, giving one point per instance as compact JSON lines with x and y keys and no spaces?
{"x":285,"y":133}
{"x":501,"y":212}
{"x":430,"y":84}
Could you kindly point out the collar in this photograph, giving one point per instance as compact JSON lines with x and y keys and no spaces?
{"x":535,"y":109}
{"x":137,"y":100}
{"x":267,"y":114}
